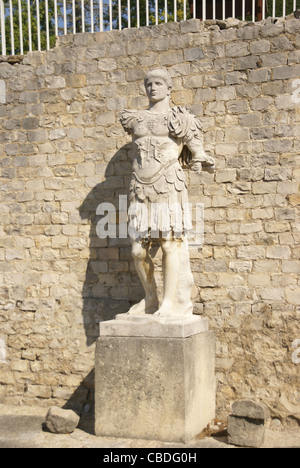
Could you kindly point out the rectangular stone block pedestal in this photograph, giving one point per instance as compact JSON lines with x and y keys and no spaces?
{"x":154,"y":387}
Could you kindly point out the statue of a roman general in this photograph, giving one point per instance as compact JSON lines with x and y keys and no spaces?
{"x":164,"y":139}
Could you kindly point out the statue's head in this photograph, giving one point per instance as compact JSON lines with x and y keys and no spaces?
{"x":158,"y":84}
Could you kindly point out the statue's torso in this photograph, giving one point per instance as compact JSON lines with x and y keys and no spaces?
{"x":154,"y":148}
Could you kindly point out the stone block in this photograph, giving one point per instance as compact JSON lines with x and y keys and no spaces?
{"x":251,"y":252}
{"x":60,"y":421}
{"x":246,"y":425}
{"x":214,"y":108}
{"x":226,"y":93}
{"x":259,"y":76}
{"x":204,"y":95}
{"x":248,"y":32}
{"x":271,"y":30}
{"x":274,"y":88}
{"x":171,"y":57}
{"x":135,"y":74}
{"x":236,"y":78}
{"x":160,"y":44}
{"x":279,"y":251}
{"x":19,"y":365}
{"x":237,"y":49}
{"x":262,"y":213}
{"x":136,"y":47}
{"x":260,"y":104}
{"x":193,"y":54}
{"x":117,"y":49}
{"x":83,"y":39}
{"x":260,"y":46}
{"x":96,"y":51}
{"x":190,"y":26}
{"x":294,"y":199}
{"x":238,"y":106}
{"x":282,"y":43}
{"x":39,"y":391}
{"x":184,"y":97}
{"x":31,"y":123}
{"x":286,"y":72}
{"x":245,"y":432}
{"x":237,"y":134}
{"x":226,"y":149}
{"x":292,"y":26}
{"x":225,"y":35}
{"x":29,"y":97}
{"x":250,"y":120}
{"x":250,"y":409}
{"x":38,"y":136}
{"x":57,"y":134}
{"x":214,"y":80}
{"x":273,"y":60}
{"x":76,"y":81}
{"x":272,"y":294}
{"x":293,"y":295}
{"x":246,"y":63}
{"x":154,"y":387}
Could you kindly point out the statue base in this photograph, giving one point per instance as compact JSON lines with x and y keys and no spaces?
{"x":154,"y":378}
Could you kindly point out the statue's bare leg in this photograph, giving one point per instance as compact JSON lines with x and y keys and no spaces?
{"x":145,"y":269}
{"x":170,"y":277}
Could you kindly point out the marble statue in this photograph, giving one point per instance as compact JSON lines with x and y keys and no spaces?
{"x":164,"y":140}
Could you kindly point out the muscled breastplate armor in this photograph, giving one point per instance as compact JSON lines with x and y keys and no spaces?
{"x":155,"y":150}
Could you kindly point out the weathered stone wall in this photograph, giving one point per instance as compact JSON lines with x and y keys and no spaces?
{"x":63,"y":151}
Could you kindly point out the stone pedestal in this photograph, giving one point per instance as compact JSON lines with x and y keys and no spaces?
{"x":154,"y":378}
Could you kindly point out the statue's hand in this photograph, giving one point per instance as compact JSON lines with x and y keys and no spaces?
{"x":197,"y":167}
{"x":209,"y":164}
{"x":209,"y":168}
{"x":209,"y":161}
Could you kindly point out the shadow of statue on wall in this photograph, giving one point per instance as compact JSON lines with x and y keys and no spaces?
{"x":82,"y":401}
{"x":111,"y":284}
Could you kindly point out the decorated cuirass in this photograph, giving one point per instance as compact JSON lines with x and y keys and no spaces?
{"x":157,"y":176}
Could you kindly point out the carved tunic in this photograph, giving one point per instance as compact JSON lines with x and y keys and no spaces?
{"x":158,"y":179}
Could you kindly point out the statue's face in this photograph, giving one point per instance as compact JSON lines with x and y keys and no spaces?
{"x":157,"y":89}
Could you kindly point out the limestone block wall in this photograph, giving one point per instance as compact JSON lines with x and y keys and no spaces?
{"x":63,"y":151}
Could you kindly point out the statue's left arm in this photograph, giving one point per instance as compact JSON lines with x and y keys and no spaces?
{"x":199,"y":158}
{"x":186,"y":126}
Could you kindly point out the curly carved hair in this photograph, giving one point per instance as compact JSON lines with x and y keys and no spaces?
{"x":159,"y":73}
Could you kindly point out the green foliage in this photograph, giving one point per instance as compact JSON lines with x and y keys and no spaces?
{"x":124,"y":14}
{"x":279,"y":7}
{"x":34,"y":29}
{"x":153,"y":17}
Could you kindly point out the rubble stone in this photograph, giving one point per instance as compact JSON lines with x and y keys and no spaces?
{"x":245,"y":432}
{"x":60,"y":421}
{"x":246,"y":425}
{"x":250,"y":409}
